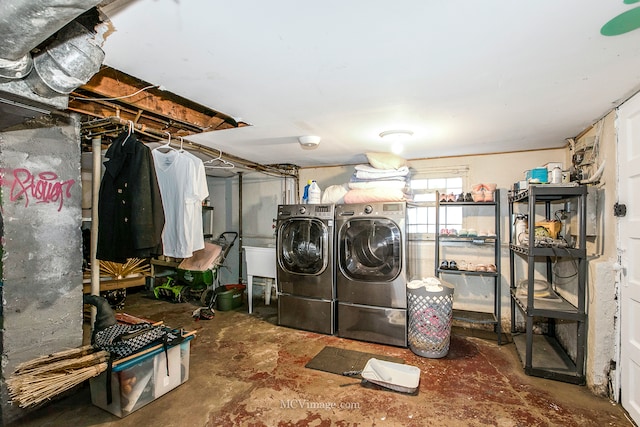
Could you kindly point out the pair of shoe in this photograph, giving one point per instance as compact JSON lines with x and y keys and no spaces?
{"x":462,"y":197}
{"x":447,"y":198}
{"x":465,"y":266}
{"x":448,"y":232}
{"x":490,"y":268}
{"x":468,"y":233}
{"x":483,"y":192}
{"x":448,"y":265}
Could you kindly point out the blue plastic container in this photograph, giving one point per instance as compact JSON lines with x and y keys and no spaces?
{"x":540,"y":175}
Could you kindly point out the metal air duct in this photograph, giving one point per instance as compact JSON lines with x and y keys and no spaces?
{"x":66,"y":63}
{"x":26,"y":24}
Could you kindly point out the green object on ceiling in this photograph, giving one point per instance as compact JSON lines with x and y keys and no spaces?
{"x":623,"y":23}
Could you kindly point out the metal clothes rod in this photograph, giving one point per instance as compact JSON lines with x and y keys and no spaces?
{"x":161,"y":135}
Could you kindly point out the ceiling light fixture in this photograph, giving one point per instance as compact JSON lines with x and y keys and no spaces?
{"x":396,"y":138}
{"x":397,"y":147}
{"x":309,"y":141}
{"x":396,"y":135}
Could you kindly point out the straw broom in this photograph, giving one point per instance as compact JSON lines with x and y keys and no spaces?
{"x":119,"y":271}
{"x":43,"y":378}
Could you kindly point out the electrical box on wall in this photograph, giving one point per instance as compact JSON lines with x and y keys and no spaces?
{"x":592,"y":207}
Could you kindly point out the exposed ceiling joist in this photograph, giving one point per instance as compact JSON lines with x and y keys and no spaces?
{"x":111,"y":99}
{"x":112,"y":93}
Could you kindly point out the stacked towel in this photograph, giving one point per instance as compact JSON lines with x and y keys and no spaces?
{"x":370,"y":172}
{"x":366,"y":176}
{"x":371,"y":184}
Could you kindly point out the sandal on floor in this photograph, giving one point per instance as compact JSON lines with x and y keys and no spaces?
{"x":444,"y":265}
{"x":453,"y":265}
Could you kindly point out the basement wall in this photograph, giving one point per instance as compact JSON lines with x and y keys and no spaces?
{"x":261,"y":195}
{"x":603,"y":328}
{"x":41,"y":244}
{"x":504,"y":170}
{"x":501,"y":169}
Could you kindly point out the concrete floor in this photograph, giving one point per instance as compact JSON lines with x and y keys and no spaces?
{"x":247,"y":371}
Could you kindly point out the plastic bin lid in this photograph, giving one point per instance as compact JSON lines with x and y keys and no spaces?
{"x":129,"y":363}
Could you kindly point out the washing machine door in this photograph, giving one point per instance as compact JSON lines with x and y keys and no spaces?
{"x":304,"y":246}
{"x":370,"y":249}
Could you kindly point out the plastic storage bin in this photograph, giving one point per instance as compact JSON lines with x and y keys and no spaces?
{"x":430,"y":312}
{"x":141,"y":380}
{"x":229,"y":297}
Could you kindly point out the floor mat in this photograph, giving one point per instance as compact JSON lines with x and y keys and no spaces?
{"x":339,"y":360}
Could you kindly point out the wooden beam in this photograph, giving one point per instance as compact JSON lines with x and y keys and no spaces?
{"x":110,"y":83}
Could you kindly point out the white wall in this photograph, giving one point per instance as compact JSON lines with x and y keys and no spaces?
{"x":502,"y":169}
{"x":261,"y":195}
{"x":602,"y":305}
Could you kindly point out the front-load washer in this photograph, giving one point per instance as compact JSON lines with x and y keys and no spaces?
{"x":371,"y":272}
{"x":305,"y":267}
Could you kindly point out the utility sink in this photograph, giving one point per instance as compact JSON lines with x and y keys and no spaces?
{"x":261,"y":262}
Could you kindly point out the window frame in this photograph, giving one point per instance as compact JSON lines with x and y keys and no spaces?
{"x":430,"y":182}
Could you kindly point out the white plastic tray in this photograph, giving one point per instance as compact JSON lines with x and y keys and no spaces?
{"x":395,"y":376}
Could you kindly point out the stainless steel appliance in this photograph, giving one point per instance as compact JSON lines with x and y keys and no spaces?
{"x":371,"y":272}
{"x":305,"y":267}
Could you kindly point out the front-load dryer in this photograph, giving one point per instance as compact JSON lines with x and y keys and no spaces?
{"x":371,"y":272}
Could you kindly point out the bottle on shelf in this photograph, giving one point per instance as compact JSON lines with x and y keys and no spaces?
{"x":314,"y":193}
{"x":521,"y":224}
{"x":305,"y":193}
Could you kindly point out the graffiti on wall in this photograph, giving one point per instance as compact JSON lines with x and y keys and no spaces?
{"x":31,"y":187}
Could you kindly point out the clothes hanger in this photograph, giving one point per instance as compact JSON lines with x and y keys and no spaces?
{"x":130,"y":130}
{"x":225,"y":163}
{"x":167,"y":144}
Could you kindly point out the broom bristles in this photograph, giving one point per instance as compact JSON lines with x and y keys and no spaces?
{"x":118,"y":270}
{"x":37,"y":381}
{"x":64,"y":354}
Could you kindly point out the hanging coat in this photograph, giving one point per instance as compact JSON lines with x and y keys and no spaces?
{"x":130,"y":213}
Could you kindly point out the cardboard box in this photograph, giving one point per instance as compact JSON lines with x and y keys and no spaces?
{"x":143,"y":379}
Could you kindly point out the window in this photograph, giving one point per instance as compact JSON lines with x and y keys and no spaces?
{"x":421,"y":216}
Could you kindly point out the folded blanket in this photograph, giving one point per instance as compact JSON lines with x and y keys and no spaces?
{"x":378,"y":183}
{"x":354,"y":178}
{"x":369,"y":195}
{"x":202,"y":259}
{"x":369,"y":172}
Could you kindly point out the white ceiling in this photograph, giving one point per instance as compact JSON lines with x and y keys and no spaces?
{"x":467,"y":77}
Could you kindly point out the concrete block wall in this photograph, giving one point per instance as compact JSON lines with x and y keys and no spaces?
{"x":41,"y":241}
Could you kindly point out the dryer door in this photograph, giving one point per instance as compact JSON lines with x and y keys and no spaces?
{"x":303,"y":246}
{"x":370,"y":249}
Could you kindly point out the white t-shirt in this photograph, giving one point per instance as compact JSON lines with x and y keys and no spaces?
{"x":182,"y":191}
{"x":202,"y":190}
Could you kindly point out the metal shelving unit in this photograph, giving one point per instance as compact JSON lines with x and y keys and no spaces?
{"x":483,"y":243}
{"x":543,"y":355}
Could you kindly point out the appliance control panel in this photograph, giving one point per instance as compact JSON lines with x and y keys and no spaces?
{"x":387,"y":210}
